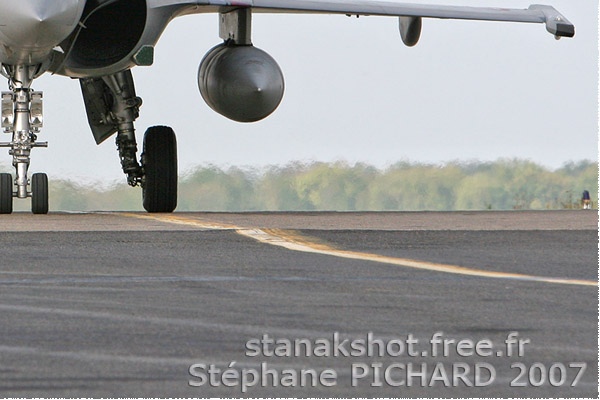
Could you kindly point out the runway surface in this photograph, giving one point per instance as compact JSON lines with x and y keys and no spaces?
{"x":210,"y":304}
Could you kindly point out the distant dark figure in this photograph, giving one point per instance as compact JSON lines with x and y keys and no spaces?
{"x":585,"y":200}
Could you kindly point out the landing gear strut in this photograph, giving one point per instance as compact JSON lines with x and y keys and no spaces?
{"x":22,"y":116}
{"x":112,"y":106}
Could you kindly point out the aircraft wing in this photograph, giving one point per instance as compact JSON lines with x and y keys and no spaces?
{"x":555,"y":22}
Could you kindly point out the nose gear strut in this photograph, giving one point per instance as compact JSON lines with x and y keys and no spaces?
{"x":112,"y":107}
{"x":22,"y":116}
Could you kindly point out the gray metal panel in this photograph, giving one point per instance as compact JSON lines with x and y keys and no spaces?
{"x":161,"y":12}
{"x":365,"y":7}
{"x":30,"y":29}
{"x":556,"y":23}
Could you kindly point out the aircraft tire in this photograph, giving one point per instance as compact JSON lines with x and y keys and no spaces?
{"x":6,"y":194}
{"x":159,"y":160}
{"x":39,"y":193}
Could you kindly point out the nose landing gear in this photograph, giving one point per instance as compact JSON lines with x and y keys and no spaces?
{"x":112,"y":107}
{"x":22,"y":116}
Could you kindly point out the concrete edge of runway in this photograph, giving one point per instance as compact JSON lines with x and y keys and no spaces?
{"x":385,"y":221}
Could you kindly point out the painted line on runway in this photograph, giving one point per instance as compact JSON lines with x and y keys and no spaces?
{"x":296,"y":242}
{"x":174,"y":219}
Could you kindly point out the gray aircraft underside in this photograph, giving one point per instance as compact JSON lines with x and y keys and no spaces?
{"x":36,"y":31}
{"x":100,"y":41}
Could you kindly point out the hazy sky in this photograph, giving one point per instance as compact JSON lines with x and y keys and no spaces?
{"x":469,"y":90}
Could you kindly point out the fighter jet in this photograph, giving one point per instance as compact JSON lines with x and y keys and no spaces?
{"x":99,"y":42}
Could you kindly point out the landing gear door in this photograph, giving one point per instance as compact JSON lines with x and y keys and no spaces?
{"x":98,"y":103}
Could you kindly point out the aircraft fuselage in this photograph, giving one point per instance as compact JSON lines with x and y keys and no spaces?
{"x":31,"y":29}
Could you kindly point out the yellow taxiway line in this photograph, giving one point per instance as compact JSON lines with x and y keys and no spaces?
{"x":293,"y":241}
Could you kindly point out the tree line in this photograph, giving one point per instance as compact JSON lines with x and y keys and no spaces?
{"x":506,"y":184}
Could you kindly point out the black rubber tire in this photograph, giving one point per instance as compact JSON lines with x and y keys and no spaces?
{"x":39,"y":193}
{"x":6,"y":194}
{"x":159,"y":160}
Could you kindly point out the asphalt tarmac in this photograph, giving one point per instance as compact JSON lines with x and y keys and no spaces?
{"x":501,"y":304}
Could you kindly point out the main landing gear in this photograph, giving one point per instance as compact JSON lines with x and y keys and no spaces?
{"x":157,"y":172}
{"x":159,"y":162}
{"x":112,"y":107}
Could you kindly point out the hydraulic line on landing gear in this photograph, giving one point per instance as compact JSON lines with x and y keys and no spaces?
{"x":125,"y":110}
{"x":127,"y":147}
